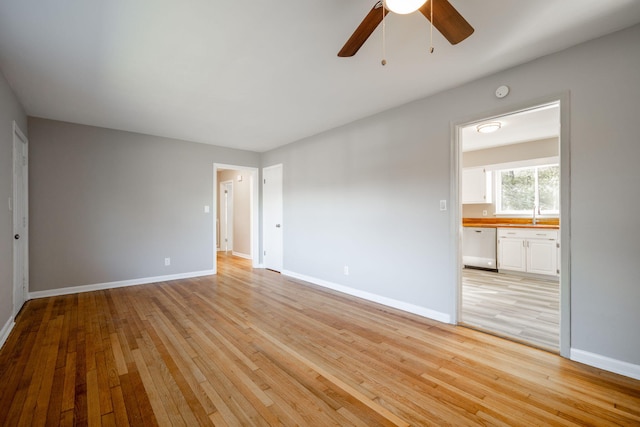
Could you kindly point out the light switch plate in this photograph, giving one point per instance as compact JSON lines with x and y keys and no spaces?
{"x":443,"y":205}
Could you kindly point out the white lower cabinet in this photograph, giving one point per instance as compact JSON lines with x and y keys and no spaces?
{"x":528,"y":250}
{"x":512,"y":254}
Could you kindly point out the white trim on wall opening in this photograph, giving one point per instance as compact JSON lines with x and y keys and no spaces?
{"x":565,"y":217}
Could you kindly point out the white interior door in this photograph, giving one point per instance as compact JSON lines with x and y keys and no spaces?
{"x":20,"y":219}
{"x":272,"y":219}
{"x":226,"y":216}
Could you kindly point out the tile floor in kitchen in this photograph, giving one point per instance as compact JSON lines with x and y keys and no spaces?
{"x":523,"y":308}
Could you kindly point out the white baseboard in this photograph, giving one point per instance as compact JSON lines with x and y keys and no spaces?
{"x":390,"y":302}
{"x":608,"y":364}
{"x":119,"y":284}
{"x":240,"y":254}
{"x":6,"y":330}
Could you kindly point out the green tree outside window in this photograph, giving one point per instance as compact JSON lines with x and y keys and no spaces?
{"x":522,"y":189}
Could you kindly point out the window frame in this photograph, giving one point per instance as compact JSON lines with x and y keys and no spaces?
{"x":497,"y":179}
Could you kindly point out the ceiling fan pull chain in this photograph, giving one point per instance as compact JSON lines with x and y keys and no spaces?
{"x":384,"y":38}
{"x":431,"y":49}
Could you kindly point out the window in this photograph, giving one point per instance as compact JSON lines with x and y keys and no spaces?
{"x":520,"y":189}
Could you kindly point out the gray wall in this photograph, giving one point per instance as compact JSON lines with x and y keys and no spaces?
{"x":512,"y":153}
{"x":10,"y":110}
{"x":366,"y":194}
{"x":109,"y":205}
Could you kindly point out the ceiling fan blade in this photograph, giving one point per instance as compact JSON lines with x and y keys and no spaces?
{"x":364,"y":30}
{"x":447,"y":20}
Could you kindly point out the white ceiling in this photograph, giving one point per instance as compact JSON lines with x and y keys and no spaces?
{"x":529,"y":125}
{"x":259,"y":74}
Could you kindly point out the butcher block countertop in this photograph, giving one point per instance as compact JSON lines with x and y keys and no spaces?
{"x":545,"y":223}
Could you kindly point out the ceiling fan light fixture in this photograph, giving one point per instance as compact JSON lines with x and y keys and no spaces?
{"x":403,"y":7}
{"x":488,"y":127}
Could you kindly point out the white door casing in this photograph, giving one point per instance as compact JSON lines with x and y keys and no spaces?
{"x":520,"y":259}
{"x":20,"y":206}
{"x":272,"y":217}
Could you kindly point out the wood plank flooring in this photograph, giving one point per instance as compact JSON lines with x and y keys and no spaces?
{"x":515,"y":306}
{"x":252,"y":348}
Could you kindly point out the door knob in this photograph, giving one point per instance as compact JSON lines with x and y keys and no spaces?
{"x":277,"y":225}
{"x":17,"y":236}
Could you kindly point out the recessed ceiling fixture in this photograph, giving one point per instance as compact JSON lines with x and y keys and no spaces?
{"x":488,"y":127}
{"x":403,"y":7}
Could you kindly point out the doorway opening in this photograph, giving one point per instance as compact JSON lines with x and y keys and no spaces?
{"x":235,"y":219}
{"x":511,"y":185}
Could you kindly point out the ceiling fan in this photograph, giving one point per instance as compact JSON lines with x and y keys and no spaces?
{"x":446,"y":19}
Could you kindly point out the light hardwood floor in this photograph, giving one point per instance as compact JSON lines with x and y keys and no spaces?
{"x":250,"y":347}
{"x":514,"y":306}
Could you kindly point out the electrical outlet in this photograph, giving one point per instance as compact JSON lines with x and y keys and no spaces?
{"x":346,"y":270}
{"x":484,"y":212}
{"x":167,"y":261}
{"x":206,"y":209}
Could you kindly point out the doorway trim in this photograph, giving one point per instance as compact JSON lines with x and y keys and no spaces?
{"x":20,"y":278}
{"x":254,"y":209}
{"x":563,"y":99}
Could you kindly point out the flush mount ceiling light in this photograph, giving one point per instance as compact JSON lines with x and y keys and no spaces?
{"x":403,"y":7}
{"x":489,"y":127}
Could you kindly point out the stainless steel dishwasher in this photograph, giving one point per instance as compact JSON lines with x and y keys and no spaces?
{"x":479,"y":247}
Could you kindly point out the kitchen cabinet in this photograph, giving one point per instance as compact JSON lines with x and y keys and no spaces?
{"x":528,"y":250}
{"x":476,"y":185}
{"x":512,"y":254}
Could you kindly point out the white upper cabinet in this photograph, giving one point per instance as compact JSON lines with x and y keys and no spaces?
{"x":476,"y":185}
